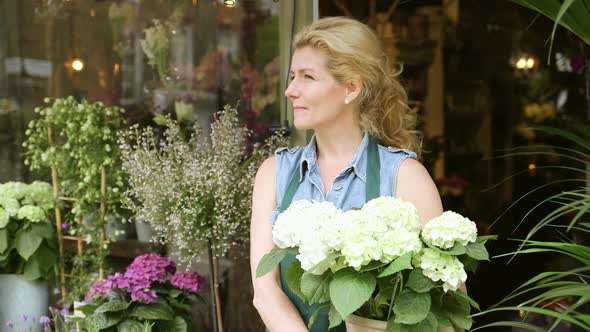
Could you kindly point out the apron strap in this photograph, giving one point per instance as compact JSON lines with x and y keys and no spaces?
{"x":372,"y":189}
{"x":373,"y":185}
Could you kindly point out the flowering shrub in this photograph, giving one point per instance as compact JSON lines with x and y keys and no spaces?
{"x":376,"y":262}
{"x":150,"y":291}
{"x":28,"y":244}
{"x":196,"y":191}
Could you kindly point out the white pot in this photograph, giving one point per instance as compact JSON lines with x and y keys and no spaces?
{"x":145,"y":231}
{"x":19,"y":297}
{"x":360,"y":324}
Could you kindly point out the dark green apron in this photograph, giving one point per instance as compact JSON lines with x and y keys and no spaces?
{"x":372,"y":189}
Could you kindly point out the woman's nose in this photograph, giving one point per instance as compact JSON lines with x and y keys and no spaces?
{"x":292,"y":91}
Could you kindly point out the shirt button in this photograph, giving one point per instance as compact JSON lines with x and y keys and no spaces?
{"x":337,"y":187}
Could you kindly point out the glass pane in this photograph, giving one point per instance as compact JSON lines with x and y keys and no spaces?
{"x":185,"y":58}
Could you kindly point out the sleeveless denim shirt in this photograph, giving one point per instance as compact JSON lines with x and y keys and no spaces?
{"x":348,"y":191}
{"x":348,"y":188}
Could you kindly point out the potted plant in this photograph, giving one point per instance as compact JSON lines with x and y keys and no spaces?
{"x":28,"y":251}
{"x":560,"y":294}
{"x":77,"y":141}
{"x":195,"y":192}
{"x":374,"y":267}
{"x":150,"y":296}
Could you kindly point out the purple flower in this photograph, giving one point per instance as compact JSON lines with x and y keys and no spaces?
{"x":189,"y":281}
{"x":152,"y":267}
{"x":65,"y":227}
{"x":44,"y":320}
{"x":9,"y":324}
{"x":46,"y":328}
{"x":24,"y":317}
{"x":73,"y":330}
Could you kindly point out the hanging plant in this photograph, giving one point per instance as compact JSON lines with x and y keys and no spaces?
{"x":78,"y":139}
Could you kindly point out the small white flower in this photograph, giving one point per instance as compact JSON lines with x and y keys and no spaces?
{"x":438,"y":266}
{"x":449,"y":229}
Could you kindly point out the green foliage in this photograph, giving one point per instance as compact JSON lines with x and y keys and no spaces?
{"x":574,"y":15}
{"x":570,"y":208}
{"x":79,"y":139}
{"x":27,"y":239}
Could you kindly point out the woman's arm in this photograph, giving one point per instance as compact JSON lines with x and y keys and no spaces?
{"x":274,"y":307}
{"x":415,"y":185}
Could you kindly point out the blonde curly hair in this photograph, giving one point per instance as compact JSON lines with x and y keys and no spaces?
{"x":354,"y":51}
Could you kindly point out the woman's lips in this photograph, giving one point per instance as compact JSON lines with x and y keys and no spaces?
{"x":299,"y":108}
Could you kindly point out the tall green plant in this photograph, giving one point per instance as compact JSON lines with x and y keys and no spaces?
{"x":547,"y":289}
{"x":574,"y":15}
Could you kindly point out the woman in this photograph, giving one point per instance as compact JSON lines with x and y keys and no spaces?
{"x":343,"y":88}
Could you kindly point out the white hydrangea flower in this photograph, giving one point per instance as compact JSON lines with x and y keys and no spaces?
{"x":313,"y":228}
{"x":449,"y":229}
{"x":393,"y":212}
{"x":438,"y":266}
{"x":384,"y":229}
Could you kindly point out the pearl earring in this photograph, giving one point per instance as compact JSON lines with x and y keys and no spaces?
{"x":346,"y":101}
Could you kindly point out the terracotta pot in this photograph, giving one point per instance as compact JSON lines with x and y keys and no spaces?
{"x":360,"y":324}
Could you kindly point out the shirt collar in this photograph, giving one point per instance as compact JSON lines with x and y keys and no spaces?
{"x":358,"y":164}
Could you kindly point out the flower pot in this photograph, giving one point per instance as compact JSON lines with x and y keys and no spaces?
{"x":19,"y":298}
{"x":360,"y":324}
{"x":144,"y":230}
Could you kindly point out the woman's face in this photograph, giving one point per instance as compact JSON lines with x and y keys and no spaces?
{"x":318,"y":99}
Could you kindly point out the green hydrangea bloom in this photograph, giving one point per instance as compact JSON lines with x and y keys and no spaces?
{"x":41,"y":194}
{"x":15,"y":190}
{"x":9,"y":204}
{"x":4,"y":218}
{"x":31,"y":213}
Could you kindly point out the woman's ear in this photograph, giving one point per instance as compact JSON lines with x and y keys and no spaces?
{"x":353,"y":90}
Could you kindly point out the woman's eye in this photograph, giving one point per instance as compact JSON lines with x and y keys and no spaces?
{"x":309,"y":77}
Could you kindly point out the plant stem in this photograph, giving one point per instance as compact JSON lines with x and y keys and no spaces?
{"x":587,"y":71}
{"x":217,"y":301}
{"x":397,"y":281}
{"x":212,"y":284}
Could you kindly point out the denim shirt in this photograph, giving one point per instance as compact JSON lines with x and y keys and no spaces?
{"x":348,"y":188}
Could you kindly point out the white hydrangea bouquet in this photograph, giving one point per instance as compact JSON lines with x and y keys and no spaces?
{"x":376,"y":262}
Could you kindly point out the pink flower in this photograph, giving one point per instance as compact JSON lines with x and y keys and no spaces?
{"x":188,"y":281}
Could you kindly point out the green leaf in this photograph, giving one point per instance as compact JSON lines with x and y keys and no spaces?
{"x":460,"y":294}
{"x":103,"y":320}
{"x":27,"y":242}
{"x":293,"y":276}
{"x":429,"y":324}
{"x":458,"y":310}
{"x":401,"y":263}
{"x":43,"y":230}
{"x":113,"y":306}
{"x":153,"y":311}
{"x":325,"y":263}
{"x":477,"y":251}
{"x":174,"y":293}
{"x":456,"y":250}
{"x":316,"y":288}
{"x":470,"y":264}
{"x":87,"y":309}
{"x":485,"y":238}
{"x":334,"y":317}
{"x":271,"y":260}
{"x":130,"y":325}
{"x":411,"y":307}
{"x":46,"y":257}
{"x":419,"y":282}
{"x":3,"y":239}
{"x":349,"y":290}
{"x":178,"y":324}
{"x":32,"y":270}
